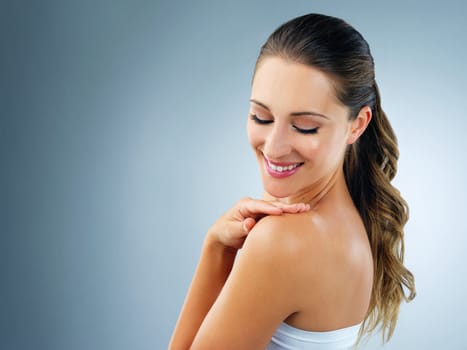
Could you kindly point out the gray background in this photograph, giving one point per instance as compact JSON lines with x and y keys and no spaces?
{"x":122,"y":138}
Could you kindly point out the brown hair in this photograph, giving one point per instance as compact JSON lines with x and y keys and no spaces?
{"x":337,"y":49}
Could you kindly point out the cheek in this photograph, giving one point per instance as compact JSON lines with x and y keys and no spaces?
{"x":310,"y":147}
{"x":322,"y":148}
{"x":334,"y":147}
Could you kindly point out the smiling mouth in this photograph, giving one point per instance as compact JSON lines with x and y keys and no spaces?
{"x":281,"y":169}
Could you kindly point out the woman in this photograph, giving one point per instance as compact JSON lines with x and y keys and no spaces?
{"x":322,"y":253}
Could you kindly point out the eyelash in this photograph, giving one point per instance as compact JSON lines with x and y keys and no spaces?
{"x":255,"y":118}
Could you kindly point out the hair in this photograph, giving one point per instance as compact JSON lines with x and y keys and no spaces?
{"x":335,"y":48}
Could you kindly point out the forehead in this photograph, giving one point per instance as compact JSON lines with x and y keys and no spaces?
{"x":284,"y":86}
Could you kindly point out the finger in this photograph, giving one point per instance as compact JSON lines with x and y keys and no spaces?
{"x":293,"y":208}
{"x":248,"y":224}
{"x":253,"y":207}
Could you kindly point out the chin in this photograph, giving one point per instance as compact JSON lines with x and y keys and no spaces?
{"x":277,"y":191}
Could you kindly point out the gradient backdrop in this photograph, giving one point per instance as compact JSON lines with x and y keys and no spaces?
{"x":122,"y":138}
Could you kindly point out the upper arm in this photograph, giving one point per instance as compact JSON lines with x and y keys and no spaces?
{"x":258,"y":294}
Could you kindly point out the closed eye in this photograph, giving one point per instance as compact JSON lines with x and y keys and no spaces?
{"x":255,"y":118}
{"x":306,"y":131}
{"x":258,"y":120}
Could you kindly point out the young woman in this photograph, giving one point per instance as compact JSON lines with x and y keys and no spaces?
{"x":322,"y":253}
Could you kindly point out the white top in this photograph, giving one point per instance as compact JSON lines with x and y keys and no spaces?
{"x":291,"y":338}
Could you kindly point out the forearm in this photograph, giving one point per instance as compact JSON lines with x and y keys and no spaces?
{"x":214,"y":267}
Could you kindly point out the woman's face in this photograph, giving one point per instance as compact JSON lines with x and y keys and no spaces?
{"x":296,"y":126}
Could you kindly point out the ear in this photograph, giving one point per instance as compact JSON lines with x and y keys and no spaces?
{"x":359,"y":124}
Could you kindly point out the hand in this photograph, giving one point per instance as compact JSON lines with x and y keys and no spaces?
{"x":232,"y":228}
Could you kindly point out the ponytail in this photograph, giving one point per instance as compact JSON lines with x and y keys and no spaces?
{"x":369,"y":166}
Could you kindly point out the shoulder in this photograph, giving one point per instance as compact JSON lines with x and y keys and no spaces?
{"x":287,"y":248}
{"x":283,"y":237}
{"x":314,"y":249}
{"x":274,"y":231}
{"x":288,"y":236}
{"x":275,"y":259}
{"x":311,"y":232}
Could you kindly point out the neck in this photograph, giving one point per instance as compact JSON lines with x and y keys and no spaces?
{"x":315,"y":193}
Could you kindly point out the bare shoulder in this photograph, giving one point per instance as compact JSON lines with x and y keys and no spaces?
{"x":285,"y":233}
{"x":312,"y":232}
{"x":328,"y":259}
{"x":285,"y":239}
{"x":291,"y":243}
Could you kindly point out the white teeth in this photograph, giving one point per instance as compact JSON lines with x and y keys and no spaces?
{"x":283,"y":168}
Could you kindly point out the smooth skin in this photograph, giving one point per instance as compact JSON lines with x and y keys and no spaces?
{"x":312,"y":268}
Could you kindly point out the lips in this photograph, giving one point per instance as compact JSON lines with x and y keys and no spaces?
{"x":281,"y":170}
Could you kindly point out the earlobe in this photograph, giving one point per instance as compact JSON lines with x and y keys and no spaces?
{"x":359,"y":124}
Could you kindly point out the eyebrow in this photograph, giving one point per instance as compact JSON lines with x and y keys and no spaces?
{"x":295,"y":114}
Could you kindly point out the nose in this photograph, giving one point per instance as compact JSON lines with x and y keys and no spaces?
{"x":277,"y":143}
